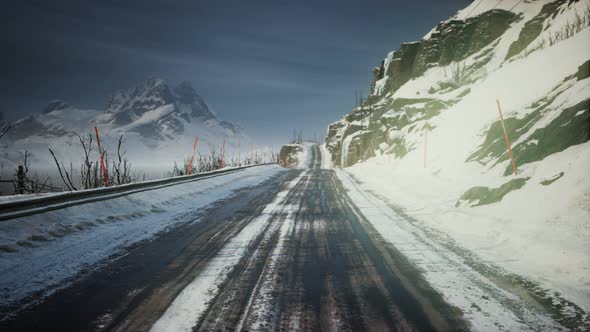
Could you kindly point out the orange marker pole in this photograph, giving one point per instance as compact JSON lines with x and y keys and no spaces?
{"x":239,"y":155}
{"x":506,"y":137}
{"x":105,"y":175}
{"x":190,"y":164}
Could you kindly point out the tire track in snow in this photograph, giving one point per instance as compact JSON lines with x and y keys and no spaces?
{"x":186,"y":310}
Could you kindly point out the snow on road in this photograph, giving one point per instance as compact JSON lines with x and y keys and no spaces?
{"x":54,"y":247}
{"x":187,"y":308}
{"x":487,"y":306}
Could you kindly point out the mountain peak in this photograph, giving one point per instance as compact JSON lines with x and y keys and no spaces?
{"x":155,"y":83}
{"x":186,"y":93}
{"x":148,"y":95}
{"x":154,"y":88}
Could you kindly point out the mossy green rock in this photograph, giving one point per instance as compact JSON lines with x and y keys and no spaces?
{"x":532,"y":29}
{"x":452,"y":40}
{"x":571,"y":127}
{"x":477,"y":196}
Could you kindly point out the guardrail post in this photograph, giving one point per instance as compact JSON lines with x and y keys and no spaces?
{"x":20,"y":180}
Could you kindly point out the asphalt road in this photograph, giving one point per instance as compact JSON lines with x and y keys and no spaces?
{"x":317,"y":265}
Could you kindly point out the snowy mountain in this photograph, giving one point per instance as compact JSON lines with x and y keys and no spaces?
{"x":429,"y":137}
{"x":158,"y":122}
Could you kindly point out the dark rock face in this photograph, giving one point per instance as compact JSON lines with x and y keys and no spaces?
{"x":32,"y":126}
{"x":230,"y":126}
{"x":186,"y":95}
{"x":127,"y":106}
{"x":582,"y":73}
{"x":333,"y":141}
{"x":453,"y":40}
{"x":288,"y":155}
{"x":532,"y":29}
{"x":55,"y":105}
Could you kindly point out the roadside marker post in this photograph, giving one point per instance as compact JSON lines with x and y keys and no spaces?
{"x":506,"y":137}
{"x":105,"y":175}
{"x":190,"y":164}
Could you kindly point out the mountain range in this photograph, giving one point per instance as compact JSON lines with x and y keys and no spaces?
{"x":158,"y":123}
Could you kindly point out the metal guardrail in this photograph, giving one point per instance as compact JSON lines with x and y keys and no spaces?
{"x":39,"y":204}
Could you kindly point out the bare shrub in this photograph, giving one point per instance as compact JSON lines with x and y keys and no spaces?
{"x":456,"y":74}
{"x":25,"y":184}
{"x":122,"y":168}
{"x":91,"y":174}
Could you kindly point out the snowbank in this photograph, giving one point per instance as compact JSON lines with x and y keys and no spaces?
{"x":55,"y":246}
{"x":487,"y":306}
{"x":541,"y":232}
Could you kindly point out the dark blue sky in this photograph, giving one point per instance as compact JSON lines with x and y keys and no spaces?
{"x":269,"y":65}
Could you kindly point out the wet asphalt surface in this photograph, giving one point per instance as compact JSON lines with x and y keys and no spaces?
{"x":318,"y":265}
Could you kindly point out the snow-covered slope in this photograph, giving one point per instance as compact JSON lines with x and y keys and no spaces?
{"x":433,"y":143}
{"x":158,"y":122}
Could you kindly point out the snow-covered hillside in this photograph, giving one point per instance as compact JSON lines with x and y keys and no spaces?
{"x":429,"y":140}
{"x":158,"y":122}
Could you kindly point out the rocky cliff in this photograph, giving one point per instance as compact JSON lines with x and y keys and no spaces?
{"x":424,"y":79}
